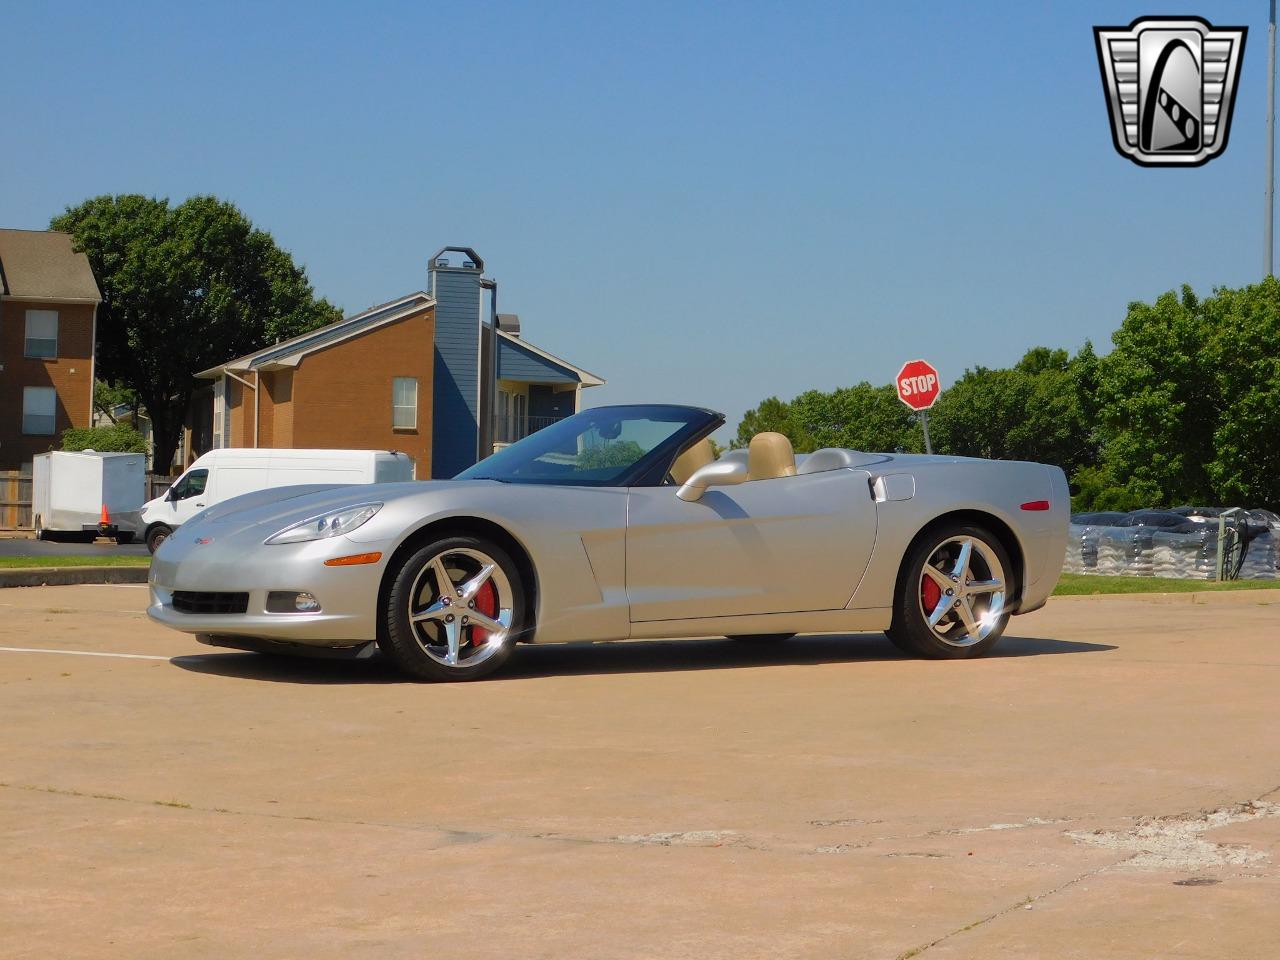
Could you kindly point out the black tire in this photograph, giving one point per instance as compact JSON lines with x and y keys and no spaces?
{"x":124,"y":539}
{"x":911,"y":631}
{"x":400,"y":640}
{"x":761,"y":637}
{"x":157,"y":535}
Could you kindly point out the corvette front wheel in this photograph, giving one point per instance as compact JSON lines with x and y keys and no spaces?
{"x":453,"y":611}
{"x":950,"y":603}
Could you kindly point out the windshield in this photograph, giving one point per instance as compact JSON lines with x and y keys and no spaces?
{"x":600,"y":447}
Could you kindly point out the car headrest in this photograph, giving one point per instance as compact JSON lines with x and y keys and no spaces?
{"x":699,"y":455}
{"x":770,"y":455}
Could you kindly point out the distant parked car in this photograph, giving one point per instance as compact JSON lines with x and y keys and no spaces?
{"x":222,"y":474}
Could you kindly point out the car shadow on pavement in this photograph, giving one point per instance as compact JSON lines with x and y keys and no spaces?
{"x":637,"y":656}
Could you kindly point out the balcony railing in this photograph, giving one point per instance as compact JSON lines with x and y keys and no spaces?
{"x":513,"y":428}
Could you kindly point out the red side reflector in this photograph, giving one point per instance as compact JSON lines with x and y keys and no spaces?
{"x":1036,"y":505}
{"x":354,"y":559}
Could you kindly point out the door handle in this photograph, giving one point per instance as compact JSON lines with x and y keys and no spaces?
{"x":199,"y":504}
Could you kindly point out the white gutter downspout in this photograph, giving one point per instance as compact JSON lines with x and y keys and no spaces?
{"x":93,"y":362}
{"x":254,"y":387}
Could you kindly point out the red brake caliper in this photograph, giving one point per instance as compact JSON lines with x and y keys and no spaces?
{"x":486,"y":603}
{"x":930,"y":593}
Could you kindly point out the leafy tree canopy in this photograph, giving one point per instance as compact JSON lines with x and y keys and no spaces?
{"x":1184,"y":410}
{"x":115,"y":438}
{"x":184,"y":288}
{"x":1034,"y":410}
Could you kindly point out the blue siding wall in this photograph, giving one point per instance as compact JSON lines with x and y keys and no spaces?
{"x":456,"y":397}
{"x":517,"y":363}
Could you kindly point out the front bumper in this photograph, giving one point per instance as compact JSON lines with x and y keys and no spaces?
{"x":348,"y":595}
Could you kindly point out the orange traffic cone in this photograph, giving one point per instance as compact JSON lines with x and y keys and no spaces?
{"x":105,"y":520}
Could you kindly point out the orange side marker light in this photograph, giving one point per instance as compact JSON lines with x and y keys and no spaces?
{"x":354,"y":559}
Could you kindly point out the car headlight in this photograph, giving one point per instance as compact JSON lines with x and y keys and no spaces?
{"x":327,"y":525}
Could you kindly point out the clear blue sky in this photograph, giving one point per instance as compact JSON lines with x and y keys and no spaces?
{"x":702,"y":203}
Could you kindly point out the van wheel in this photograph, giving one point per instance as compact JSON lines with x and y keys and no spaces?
{"x":156,"y":536}
{"x":454,"y":610}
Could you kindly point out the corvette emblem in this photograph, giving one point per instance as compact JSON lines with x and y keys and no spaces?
{"x":1170,"y":84}
{"x":204,"y":541}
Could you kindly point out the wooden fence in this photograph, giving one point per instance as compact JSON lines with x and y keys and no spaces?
{"x":15,"y":497}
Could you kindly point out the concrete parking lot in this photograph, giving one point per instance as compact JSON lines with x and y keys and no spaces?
{"x":1107,"y":786}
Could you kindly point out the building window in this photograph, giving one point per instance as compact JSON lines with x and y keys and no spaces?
{"x":504,"y":417}
{"x":519,"y":425}
{"x":39,"y":410}
{"x":404,"y":403}
{"x":42,"y":334}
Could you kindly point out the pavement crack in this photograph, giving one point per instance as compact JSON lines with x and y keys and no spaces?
{"x":1024,"y":904}
{"x":452,"y":835}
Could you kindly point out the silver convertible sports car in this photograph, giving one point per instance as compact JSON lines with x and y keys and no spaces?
{"x":619,"y":523}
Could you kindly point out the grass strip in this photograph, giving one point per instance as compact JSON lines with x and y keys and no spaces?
{"x":1083,"y":584}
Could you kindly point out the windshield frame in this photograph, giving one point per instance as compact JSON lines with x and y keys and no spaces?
{"x":649,"y":470}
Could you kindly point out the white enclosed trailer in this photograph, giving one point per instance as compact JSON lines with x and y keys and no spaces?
{"x":70,"y":491}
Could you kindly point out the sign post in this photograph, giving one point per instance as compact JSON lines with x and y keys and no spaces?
{"x":918,"y":387}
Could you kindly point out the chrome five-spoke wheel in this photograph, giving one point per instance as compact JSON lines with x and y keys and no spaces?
{"x":454,"y":610}
{"x":962,"y":590}
{"x":460,"y":607}
{"x":953,"y":593}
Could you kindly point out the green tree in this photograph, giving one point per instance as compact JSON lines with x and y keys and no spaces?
{"x":1034,"y":410}
{"x":1189,"y":400}
{"x":771,"y":416}
{"x":108,"y":396}
{"x":1158,"y":400}
{"x":861,"y":417}
{"x":611,"y":453}
{"x":1243,"y":355}
{"x":115,"y":438}
{"x":184,"y":287}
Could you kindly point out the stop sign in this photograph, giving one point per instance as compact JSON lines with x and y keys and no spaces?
{"x":917,"y":384}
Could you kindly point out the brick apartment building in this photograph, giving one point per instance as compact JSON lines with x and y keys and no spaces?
{"x":416,"y":374}
{"x":48,"y":309}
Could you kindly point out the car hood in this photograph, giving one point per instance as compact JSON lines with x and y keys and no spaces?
{"x":280,"y":507}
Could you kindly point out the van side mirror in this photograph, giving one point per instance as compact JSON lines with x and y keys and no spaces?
{"x":721,"y":473}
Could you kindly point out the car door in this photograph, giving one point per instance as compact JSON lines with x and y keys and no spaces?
{"x":766,"y":546}
{"x":188,"y":495}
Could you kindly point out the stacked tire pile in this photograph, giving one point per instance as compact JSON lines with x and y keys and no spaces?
{"x":1180,"y":544}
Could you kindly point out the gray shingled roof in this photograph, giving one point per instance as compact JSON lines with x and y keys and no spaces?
{"x":42,"y":265}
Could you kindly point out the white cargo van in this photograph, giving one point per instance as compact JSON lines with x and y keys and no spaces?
{"x":70,"y":491}
{"x":222,"y":474}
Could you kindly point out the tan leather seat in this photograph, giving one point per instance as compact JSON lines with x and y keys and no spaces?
{"x":770,"y":455}
{"x":699,"y":455}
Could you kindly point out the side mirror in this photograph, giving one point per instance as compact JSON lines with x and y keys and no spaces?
{"x":722,"y":473}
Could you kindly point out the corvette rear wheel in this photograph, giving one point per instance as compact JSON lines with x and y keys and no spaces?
{"x":950,"y":603}
{"x":453,"y":611}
